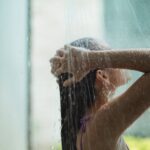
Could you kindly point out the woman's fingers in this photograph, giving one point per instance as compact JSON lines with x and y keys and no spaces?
{"x":55,"y":59}
{"x":56,"y":63}
{"x":76,"y":78}
{"x":69,"y":60}
{"x":60,"y":52}
{"x":59,"y":71}
{"x":69,"y":82}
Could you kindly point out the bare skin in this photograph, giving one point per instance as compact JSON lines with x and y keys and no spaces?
{"x":110,"y":118}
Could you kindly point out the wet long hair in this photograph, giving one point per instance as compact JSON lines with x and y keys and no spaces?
{"x":76,"y":99}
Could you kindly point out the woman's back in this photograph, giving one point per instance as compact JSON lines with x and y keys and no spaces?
{"x":89,"y":137}
{"x":121,"y":145}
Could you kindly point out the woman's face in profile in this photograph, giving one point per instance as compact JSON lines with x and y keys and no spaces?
{"x":109,"y":79}
{"x":118,"y":77}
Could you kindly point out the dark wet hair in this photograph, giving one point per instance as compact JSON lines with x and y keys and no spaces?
{"x":76,"y":99}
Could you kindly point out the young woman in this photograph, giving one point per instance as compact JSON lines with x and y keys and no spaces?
{"x":88,"y":74}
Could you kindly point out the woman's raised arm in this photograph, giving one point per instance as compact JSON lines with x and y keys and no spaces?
{"x":79,"y":62}
{"x":134,"y":59}
{"x":117,"y":115}
{"x":120,"y":113}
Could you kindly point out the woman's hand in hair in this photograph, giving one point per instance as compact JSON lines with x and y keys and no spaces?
{"x":71,"y":60}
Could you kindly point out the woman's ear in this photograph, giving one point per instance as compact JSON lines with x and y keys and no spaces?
{"x":103,"y":81}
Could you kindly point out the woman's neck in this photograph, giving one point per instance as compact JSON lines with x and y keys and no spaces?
{"x":99,"y":101}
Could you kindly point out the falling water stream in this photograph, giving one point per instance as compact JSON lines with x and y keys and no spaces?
{"x":124,"y":24}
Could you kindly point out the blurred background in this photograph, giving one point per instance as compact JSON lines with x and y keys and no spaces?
{"x":30,"y":33}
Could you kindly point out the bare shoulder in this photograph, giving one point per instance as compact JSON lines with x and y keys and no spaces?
{"x":113,"y":118}
{"x":116,"y":116}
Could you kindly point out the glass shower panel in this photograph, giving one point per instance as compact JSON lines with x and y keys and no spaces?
{"x":13,"y":75}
